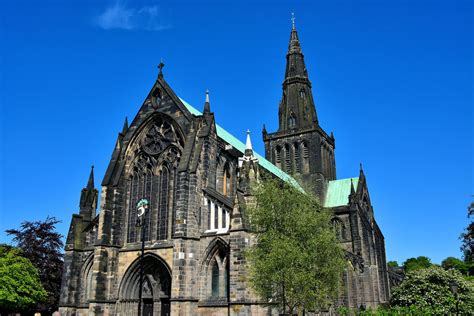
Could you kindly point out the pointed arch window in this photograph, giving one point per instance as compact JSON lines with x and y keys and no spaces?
{"x":302,"y":94}
{"x":163,"y":204}
{"x":305,"y":157}
{"x":292,"y":120}
{"x":296,"y":148}
{"x":278,"y":156}
{"x":226,"y":181}
{"x":287,"y":158}
{"x":215,"y":282}
{"x":218,"y":276}
{"x":141,"y":186}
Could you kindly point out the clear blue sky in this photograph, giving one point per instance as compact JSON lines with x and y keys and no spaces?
{"x":392,"y":79}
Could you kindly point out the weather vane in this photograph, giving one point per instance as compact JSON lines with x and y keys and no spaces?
{"x":293,"y":20}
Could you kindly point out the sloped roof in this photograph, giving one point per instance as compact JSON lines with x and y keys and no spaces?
{"x":240,"y":146}
{"x":338,"y":192}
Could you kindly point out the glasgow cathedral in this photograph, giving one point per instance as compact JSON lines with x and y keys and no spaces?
{"x":198,"y":178}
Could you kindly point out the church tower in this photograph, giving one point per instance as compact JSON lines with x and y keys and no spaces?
{"x":300,"y":147}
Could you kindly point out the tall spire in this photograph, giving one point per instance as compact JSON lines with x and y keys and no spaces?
{"x":297,"y":108}
{"x":90,"y":183}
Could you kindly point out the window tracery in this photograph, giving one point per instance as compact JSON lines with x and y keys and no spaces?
{"x":156,"y":154}
{"x":216,"y":271}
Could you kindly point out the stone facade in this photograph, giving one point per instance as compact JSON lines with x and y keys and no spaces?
{"x":197,"y":178}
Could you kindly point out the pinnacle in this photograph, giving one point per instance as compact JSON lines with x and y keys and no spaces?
{"x":90,"y":183}
{"x":207,"y":104}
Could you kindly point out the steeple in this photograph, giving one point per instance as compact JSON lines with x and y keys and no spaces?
{"x":300,"y":146}
{"x":297,"y":109}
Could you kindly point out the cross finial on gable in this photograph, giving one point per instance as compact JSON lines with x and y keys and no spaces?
{"x":160,"y":67}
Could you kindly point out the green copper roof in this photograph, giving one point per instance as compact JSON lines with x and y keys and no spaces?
{"x":339,"y":191}
{"x":232,"y":140}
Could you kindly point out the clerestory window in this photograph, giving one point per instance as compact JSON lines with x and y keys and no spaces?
{"x":218,"y":216}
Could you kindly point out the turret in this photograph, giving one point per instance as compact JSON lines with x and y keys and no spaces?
{"x":88,"y":201}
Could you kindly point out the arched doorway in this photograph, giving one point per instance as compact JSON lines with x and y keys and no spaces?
{"x":156,"y":288}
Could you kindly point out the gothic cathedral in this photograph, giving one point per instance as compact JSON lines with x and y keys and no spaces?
{"x":197,"y":178}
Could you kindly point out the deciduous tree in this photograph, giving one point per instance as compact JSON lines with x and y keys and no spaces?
{"x":417,"y":263}
{"x":20,"y":286}
{"x":42,"y":245}
{"x":296,"y":262}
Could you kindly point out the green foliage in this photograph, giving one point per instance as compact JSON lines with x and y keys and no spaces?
{"x":429,"y":290}
{"x":42,"y":245}
{"x":393,"y":264}
{"x":418,"y":263}
{"x":387,"y":311}
{"x":20,"y":286}
{"x":297,"y":261}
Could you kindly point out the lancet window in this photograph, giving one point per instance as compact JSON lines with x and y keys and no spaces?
{"x":296,"y":149}
{"x":305,"y":156}
{"x":278,"y":156}
{"x":215,"y":285}
{"x":292,"y":120}
{"x":226,"y":183}
{"x":287,"y":158}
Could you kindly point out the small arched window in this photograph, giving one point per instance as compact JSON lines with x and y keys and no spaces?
{"x":302,"y":94}
{"x":226,"y":181}
{"x":278,"y":156}
{"x":292,"y":120}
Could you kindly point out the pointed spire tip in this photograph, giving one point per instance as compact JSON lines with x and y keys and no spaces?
{"x":90,"y":182}
{"x":207,"y":104}
{"x":248,"y":144}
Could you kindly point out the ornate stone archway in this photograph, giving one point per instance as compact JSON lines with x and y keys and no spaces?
{"x":156,"y":288}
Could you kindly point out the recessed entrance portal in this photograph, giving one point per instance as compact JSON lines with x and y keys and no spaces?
{"x":156,"y":288}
